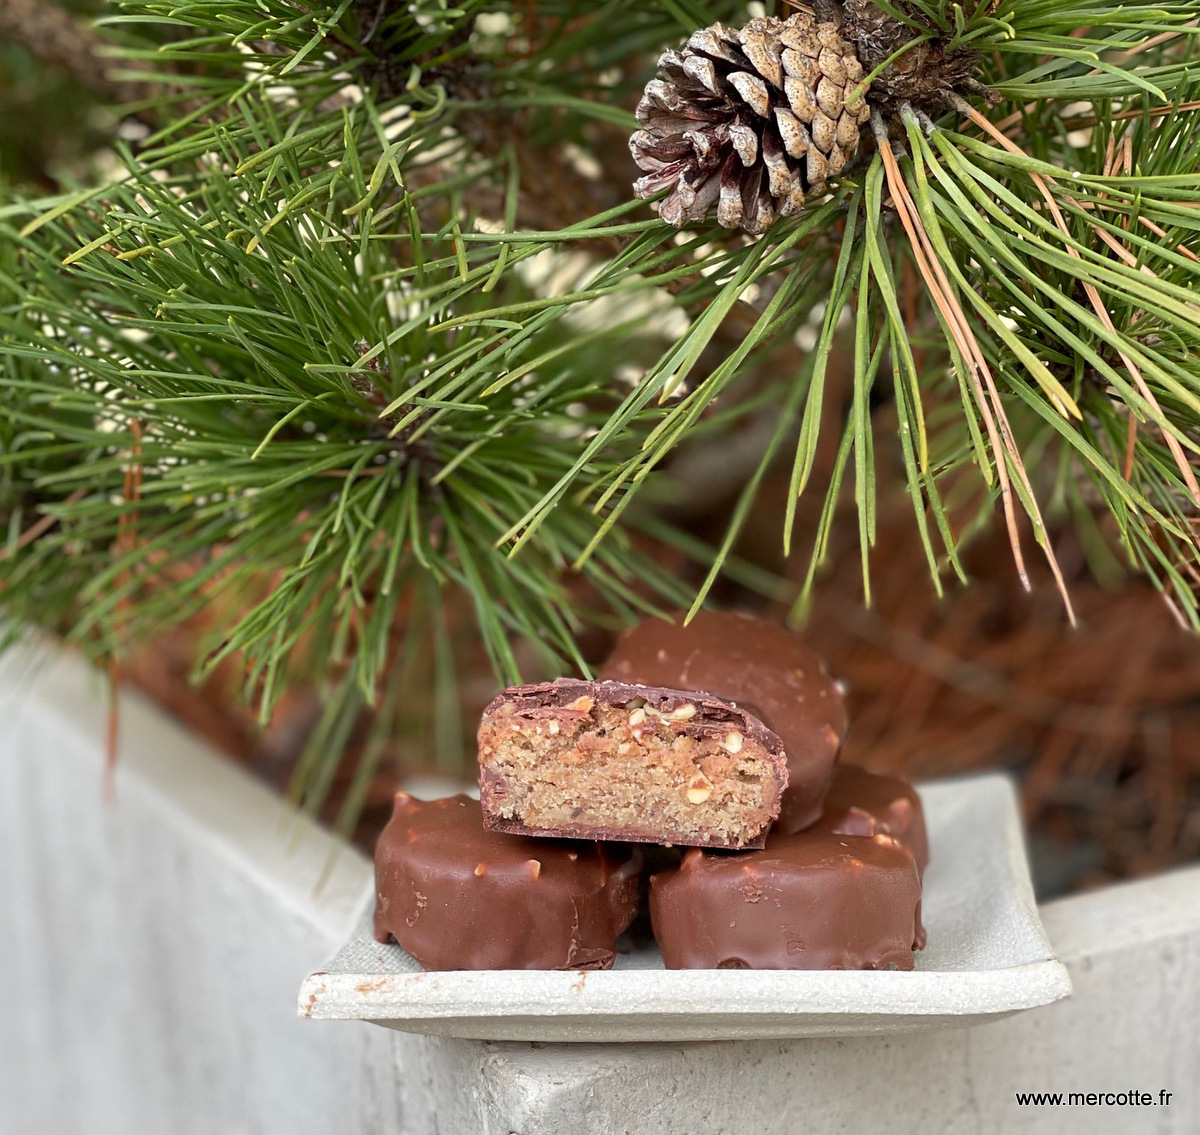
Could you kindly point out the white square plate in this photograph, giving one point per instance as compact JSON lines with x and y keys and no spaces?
{"x":987,"y":957}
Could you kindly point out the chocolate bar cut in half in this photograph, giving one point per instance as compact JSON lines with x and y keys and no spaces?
{"x":616,"y":761}
{"x":759,"y":666}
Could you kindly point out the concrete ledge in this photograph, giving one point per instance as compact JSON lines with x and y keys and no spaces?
{"x":1130,"y":1025}
{"x":155,"y":943}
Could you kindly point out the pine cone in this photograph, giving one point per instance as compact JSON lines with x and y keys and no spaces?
{"x":754,"y":121}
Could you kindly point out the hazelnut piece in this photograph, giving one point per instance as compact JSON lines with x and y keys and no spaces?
{"x":699,"y":789}
{"x":732,"y":742}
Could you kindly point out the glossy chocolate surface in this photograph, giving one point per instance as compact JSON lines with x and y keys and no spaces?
{"x":455,"y":896}
{"x":863,"y":803}
{"x":755,"y":664}
{"x":808,"y":901}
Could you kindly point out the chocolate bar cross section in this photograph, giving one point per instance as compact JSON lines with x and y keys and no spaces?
{"x":618,"y":761}
{"x":760,"y":666}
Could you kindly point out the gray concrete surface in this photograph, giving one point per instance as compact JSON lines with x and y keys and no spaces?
{"x":153,"y":944}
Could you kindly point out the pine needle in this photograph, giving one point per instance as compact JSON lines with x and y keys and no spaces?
{"x":1093,"y":295}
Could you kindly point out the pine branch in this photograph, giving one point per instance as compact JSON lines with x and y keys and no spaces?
{"x":332,"y":345}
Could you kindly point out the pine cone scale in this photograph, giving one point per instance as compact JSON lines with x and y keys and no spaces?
{"x":764,"y":54}
{"x":745,"y":143}
{"x":754,"y":121}
{"x":703,"y":72}
{"x":718,"y":42}
{"x":801,"y":98}
{"x":830,"y":97}
{"x":753,"y":91}
{"x":833,"y":67}
{"x":780,"y":175}
{"x":847,"y":132}
{"x":792,"y":133}
{"x":824,"y":132}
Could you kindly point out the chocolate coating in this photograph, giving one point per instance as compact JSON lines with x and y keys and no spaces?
{"x":457,"y":897}
{"x":709,"y":718}
{"x":714,"y":716}
{"x":805,"y":902}
{"x":756,"y":664}
{"x":862,"y":803}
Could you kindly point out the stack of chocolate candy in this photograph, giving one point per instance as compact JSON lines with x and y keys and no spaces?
{"x":720,"y":739}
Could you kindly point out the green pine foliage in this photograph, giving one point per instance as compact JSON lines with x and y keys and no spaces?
{"x":304,"y":349}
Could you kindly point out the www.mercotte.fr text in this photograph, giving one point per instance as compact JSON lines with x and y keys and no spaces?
{"x":1094,"y":1099}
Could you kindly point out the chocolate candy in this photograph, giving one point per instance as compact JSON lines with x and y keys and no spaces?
{"x":758,"y":665}
{"x":609,"y":760}
{"x":863,"y":803}
{"x":458,"y":897}
{"x":807,"y":901}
